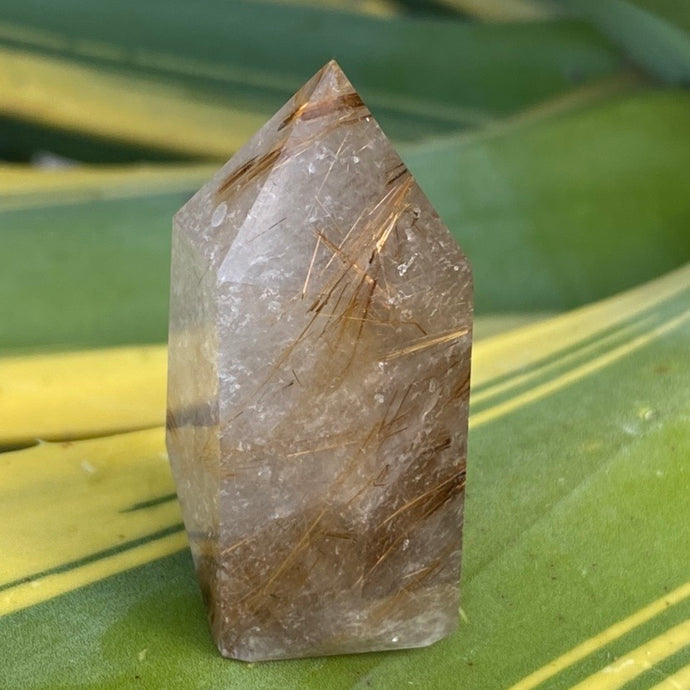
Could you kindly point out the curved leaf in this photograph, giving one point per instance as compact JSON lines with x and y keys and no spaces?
{"x":92,"y":266}
{"x":237,"y":61}
{"x":657,"y":45}
{"x":571,"y":487}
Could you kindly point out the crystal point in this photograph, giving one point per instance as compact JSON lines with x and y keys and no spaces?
{"x":318,"y":389}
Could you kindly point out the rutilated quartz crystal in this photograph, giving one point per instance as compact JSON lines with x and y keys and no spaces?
{"x":318,"y":389}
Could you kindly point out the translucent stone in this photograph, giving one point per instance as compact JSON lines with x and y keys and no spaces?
{"x":320,"y":332}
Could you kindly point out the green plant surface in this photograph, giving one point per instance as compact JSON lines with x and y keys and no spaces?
{"x":502,"y":10}
{"x":560,"y":229}
{"x":109,"y":65}
{"x":567,"y":209}
{"x":660,"y":46}
{"x":377,"y":8}
{"x":674,"y":11}
{"x":575,"y":522}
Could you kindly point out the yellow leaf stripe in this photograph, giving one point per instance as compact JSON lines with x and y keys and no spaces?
{"x":74,"y":513}
{"x":515,"y":351}
{"x":27,"y":187}
{"x":52,"y":585}
{"x":75,"y":97}
{"x":378,"y":8}
{"x":576,"y":374}
{"x":63,"y":93}
{"x":639,"y":660}
{"x":505,"y":10}
{"x":678,"y":681}
{"x":80,"y":394}
{"x":603,"y":638}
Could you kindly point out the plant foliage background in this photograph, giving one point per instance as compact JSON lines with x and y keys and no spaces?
{"x":554,"y":139}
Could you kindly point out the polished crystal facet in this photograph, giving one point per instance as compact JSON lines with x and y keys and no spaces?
{"x":319,"y":372}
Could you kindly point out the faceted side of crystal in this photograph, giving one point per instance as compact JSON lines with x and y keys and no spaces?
{"x":192,"y":433}
{"x":203,"y":232}
{"x":344,"y":322}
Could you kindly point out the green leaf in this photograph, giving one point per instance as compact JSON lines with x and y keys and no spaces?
{"x":575,"y":532}
{"x":377,"y":8}
{"x":240,"y":58}
{"x":655,"y":44}
{"x":554,"y":211}
{"x":674,"y":11}
{"x":503,"y":10}
{"x":560,"y":211}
